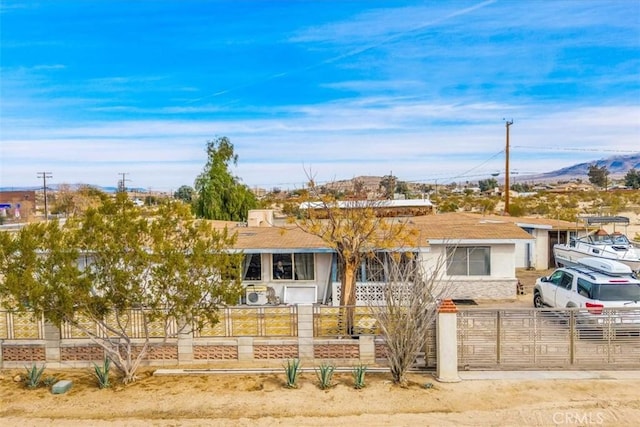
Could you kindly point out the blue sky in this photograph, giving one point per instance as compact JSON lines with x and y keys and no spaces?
{"x":330,"y":89}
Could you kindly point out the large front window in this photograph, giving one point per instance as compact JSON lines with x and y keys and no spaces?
{"x":295,"y":266}
{"x":469,"y":261}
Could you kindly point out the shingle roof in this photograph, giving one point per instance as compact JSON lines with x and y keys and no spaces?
{"x":448,"y":226}
{"x":276,"y":238}
{"x":459,"y":226}
{"x":555,"y":224}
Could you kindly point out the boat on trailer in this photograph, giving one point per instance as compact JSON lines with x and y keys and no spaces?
{"x":599,"y":244}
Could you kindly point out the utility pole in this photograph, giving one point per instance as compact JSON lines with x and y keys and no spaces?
{"x":506,"y":171}
{"x":44,"y":176}
{"x":121,"y":183}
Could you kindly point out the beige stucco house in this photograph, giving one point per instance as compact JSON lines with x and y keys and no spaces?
{"x":283,"y":264}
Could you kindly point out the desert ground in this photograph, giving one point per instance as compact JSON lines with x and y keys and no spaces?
{"x":264,"y":400}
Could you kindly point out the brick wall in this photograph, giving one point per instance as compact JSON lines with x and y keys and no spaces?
{"x":282,"y":351}
{"x":337,"y":351}
{"x":23,"y":353}
{"x":81,"y":353}
{"x":215,"y":352}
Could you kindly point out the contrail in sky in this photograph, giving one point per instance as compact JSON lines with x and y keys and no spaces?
{"x":349,"y":54}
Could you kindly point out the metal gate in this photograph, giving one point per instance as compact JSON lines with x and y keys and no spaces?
{"x":548,"y":338}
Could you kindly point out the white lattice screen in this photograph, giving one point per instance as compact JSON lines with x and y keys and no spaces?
{"x":370,"y":293}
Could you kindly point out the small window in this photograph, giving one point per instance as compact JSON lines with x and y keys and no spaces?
{"x":567,"y":281}
{"x":252,"y":267}
{"x":584,"y":287}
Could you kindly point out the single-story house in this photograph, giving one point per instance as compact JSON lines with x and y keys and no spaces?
{"x":287,"y":265}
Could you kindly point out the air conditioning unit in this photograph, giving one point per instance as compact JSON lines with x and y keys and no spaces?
{"x":257,"y":295}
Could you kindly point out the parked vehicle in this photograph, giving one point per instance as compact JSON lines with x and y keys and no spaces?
{"x":607,"y":294}
{"x":600,"y":244}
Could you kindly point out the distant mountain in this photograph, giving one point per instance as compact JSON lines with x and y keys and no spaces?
{"x":618,"y":166}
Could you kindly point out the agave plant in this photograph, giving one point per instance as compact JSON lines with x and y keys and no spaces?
{"x":358,"y":376}
{"x":325,"y":374}
{"x":102,"y":373}
{"x":33,"y":376}
{"x":292,"y":370}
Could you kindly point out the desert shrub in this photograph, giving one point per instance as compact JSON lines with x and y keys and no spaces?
{"x":325,"y":374}
{"x":49,"y":380}
{"x":358,"y":376}
{"x":34,"y":376}
{"x":292,"y":371}
{"x":102,"y":373}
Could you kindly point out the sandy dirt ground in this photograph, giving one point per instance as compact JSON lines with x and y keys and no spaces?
{"x":263,"y":400}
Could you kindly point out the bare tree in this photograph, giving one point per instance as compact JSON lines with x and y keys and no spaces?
{"x":409,"y":308}
{"x":355,"y":229}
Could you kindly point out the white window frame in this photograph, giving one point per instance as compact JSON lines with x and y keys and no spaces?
{"x":292,"y":267}
{"x":462,"y":264}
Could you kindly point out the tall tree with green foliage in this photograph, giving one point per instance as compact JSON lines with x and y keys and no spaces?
{"x":220,"y":195}
{"x":598,"y":175}
{"x":132,"y":276}
{"x":487,"y":184}
{"x":184,"y":193}
{"x":632,"y":179}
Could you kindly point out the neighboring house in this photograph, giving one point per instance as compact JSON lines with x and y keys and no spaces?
{"x":18,"y":205}
{"x":482,"y":258}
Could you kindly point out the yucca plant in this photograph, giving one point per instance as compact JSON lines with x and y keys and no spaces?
{"x":358,"y":376}
{"x":292,"y":370}
{"x":102,"y":373}
{"x":325,"y":373}
{"x":34,"y":375}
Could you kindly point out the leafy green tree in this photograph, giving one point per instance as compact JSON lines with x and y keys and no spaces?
{"x":184,"y":193}
{"x":632,"y":179}
{"x":521,"y":187}
{"x":403,"y":188}
{"x":170,"y":272}
{"x":598,"y":175}
{"x":220,"y":195}
{"x":388,"y":186}
{"x":487,"y":184}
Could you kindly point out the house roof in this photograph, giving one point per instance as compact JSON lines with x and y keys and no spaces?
{"x":274,"y":238}
{"x":453,"y":227}
{"x":529,"y":222}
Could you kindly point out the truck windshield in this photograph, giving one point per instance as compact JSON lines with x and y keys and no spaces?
{"x":617,"y":292}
